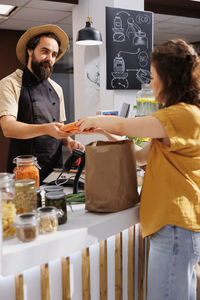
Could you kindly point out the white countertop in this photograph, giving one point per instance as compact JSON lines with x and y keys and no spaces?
{"x":82,"y":229}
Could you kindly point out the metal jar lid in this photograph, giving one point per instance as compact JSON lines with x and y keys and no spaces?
{"x":55,"y":195}
{"x":53,"y":188}
{"x":26,"y":219}
{"x":24,"y":182}
{"x":49,"y":211}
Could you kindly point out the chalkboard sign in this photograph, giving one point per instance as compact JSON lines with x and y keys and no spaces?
{"x":128,"y":48}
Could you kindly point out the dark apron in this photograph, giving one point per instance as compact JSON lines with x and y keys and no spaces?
{"x":38,"y":104}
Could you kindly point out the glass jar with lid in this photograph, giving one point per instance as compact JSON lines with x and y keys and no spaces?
{"x":58,"y":200}
{"x":7,"y":197}
{"x":26,"y":195}
{"x":146,"y":103}
{"x":27,"y":227}
{"x":48,"y":218}
{"x":27,"y":168}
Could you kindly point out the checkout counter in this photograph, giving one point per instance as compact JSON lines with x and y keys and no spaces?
{"x":92,"y":256}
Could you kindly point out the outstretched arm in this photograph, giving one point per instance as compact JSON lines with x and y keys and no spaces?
{"x":147,"y":127}
{"x":19,"y":130}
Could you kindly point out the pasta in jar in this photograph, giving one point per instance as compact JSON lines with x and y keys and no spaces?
{"x":7,"y":197}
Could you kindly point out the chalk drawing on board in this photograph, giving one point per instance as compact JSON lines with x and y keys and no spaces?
{"x":142,"y":75}
{"x":143,"y":19}
{"x":133,"y":31}
{"x":118,"y":35}
{"x":129,"y":45}
{"x":119,"y":79}
{"x":132,"y":27}
{"x":143,"y":59}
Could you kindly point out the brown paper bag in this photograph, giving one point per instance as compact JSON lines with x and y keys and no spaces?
{"x":110,"y":176}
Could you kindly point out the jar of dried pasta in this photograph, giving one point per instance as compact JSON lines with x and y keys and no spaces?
{"x":27,"y":168}
{"x":7,"y":197}
{"x":26,"y":196}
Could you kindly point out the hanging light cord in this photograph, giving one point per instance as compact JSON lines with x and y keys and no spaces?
{"x":89,"y":18}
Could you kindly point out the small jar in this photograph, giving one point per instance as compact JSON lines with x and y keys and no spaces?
{"x":48,"y":218}
{"x":7,"y":198}
{"x":27,"y":168}
{"x":58,"y":200}
{"x":26,"y":195}
{"x":27,"y":227}
{"x":39,"y":198}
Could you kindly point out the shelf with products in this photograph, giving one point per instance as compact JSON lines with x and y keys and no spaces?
{"x":82,"y":229}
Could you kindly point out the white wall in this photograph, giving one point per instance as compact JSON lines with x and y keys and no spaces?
{"x":128,"y":96}
{"x":88,"y":97}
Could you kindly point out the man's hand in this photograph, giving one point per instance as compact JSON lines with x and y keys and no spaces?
{"x":53,"y":129}
{"x":72,"y":144}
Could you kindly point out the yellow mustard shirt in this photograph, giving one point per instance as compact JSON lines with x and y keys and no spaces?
{"x":171,"y":188}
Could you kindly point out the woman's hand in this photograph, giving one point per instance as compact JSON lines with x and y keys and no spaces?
{"x":90,"y":131}
{"x":89,"y":123}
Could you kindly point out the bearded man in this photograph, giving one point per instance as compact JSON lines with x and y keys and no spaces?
{"x":32,"y":105}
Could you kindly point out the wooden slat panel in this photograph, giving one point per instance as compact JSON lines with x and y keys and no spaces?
{"x":141,"y":260}
{"x":66,"y":294}
{"x":103,"y":270}
{"x":86,"y":274}
{"x":44,"y":276}
{"x":131,"y":262}
{"x":19,"y":290}
{"x":118,"y":266}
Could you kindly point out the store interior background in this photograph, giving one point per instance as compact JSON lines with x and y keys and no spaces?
{"x":172,"y":19}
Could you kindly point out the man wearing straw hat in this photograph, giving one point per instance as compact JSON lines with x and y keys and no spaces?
{"x":32,"y":105}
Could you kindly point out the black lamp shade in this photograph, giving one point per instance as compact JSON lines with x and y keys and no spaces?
{"x":89,"y":36}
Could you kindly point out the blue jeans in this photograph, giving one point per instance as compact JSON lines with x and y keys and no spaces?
{"x":174,"y":252}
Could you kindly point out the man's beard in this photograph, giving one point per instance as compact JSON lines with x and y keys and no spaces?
{"x":40,"y":70}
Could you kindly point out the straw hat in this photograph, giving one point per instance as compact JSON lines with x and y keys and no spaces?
{"x":30,"y":33}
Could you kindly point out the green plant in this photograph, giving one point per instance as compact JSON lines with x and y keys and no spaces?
{"x":138,"y":141}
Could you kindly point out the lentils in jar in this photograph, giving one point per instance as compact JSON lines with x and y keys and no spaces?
{"x":27,"y":168}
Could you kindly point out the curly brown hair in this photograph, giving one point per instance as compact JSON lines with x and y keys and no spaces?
{"x":178,"y":66}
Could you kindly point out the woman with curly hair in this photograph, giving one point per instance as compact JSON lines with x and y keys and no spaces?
{"x":170,"y":197}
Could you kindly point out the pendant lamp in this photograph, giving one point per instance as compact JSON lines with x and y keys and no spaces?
{"x":89,"y":36}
